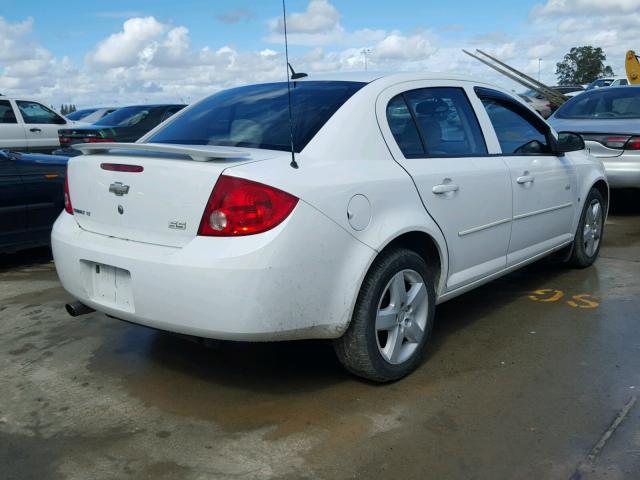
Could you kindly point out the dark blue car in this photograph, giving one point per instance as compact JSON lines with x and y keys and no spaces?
{"x":31,"y":198}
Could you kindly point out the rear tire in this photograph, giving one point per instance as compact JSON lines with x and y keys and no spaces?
{"x":392,"y":319}
{"x":588,"y":238}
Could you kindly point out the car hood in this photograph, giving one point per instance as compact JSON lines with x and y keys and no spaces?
{"x":628,"y":126}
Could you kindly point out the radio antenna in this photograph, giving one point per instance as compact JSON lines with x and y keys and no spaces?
{"x":293,"y":163}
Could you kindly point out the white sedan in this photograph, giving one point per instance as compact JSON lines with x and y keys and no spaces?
{"x":404,"y":191}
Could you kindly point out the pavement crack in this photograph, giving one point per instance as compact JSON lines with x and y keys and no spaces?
{"x":589,"y":461}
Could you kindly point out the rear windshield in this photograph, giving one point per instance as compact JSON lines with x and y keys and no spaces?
{"x":257,"y":116}
{"x":80,"y":114}
{"x":602,"y":104}
{"x":125,"y":117}
{"x":602,"y":82}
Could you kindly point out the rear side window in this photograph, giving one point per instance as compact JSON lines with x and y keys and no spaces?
{"x":6,"y":112}
{"x":404,"y":128}
{"x":257,"y":116}
{"x":516,"y":134}
{"x":435,"y":122}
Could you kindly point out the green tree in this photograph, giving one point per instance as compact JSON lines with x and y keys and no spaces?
{"x":582,"y":65}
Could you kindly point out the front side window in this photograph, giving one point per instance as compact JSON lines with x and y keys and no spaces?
{"x":34,"y":113}
{"x":257,"y":116}
{"x":6,"y":112}
{"x":516,"y":134}
{"x":443,"y":120}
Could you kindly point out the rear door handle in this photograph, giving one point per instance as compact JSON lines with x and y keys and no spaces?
{"x":525,"y":179}
{"x":35,"y":130}
{"x":445,"y":188}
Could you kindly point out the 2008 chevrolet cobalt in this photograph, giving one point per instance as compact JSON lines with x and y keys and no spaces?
{"x":405,"y":191}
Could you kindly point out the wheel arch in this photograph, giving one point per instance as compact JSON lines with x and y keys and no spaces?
{"x":427,"y":247}
{"x":603,"y":188}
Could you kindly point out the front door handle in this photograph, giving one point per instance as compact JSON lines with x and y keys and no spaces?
{"x":35,"y":130}
{"x":445,"y":188}
{"x":526,"y":178}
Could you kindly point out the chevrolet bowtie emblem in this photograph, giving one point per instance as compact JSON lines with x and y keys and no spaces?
{"x":119,"y":189}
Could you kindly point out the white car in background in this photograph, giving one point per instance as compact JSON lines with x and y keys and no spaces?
{"x":607,"y":82}
{"x":405,"y":191}
{"x":540,"y":105}
{"x":29,"y":126}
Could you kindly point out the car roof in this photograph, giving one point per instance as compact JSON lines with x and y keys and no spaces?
{"x":155,"y":105}
{"x":368,"y":77}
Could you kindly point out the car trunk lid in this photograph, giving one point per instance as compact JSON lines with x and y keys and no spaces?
{"x":149,"y":193}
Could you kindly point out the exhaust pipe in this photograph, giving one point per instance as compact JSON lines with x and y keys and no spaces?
{"x":76,"y":309}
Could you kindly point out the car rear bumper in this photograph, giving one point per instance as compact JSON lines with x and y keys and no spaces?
{"x":299,"y":280}
{"x":622,"y":172}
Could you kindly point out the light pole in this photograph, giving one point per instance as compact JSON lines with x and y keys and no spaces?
{"x":539,"y":60}
{"x":365,"y":53}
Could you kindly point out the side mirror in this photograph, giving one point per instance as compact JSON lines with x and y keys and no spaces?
{"x":570,"y":142}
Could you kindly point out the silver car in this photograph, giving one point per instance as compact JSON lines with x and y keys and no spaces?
{"x":540,"y":105}
{"x":609,"y":121}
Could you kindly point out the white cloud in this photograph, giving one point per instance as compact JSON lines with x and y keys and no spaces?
{"x":585,"y":7}
{"x":149,"y":60}
{"x":122,"y":49}
{"x":14,"y":40}
{"x":320,"y":17}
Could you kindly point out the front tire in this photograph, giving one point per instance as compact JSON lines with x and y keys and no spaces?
{"x":392,"y":319}
{"x":588,"y":239}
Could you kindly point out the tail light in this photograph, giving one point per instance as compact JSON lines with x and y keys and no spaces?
{"x":617,"y":142}
{"x":633,"y":144}
{"x":67,"y":198}
{"x":240,"y":207}
{"x":65,"y":140}
{"x":122,"y":167}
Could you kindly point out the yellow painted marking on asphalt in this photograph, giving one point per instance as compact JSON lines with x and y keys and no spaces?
{"x":584,"y":300}
{"x":546,"y":295}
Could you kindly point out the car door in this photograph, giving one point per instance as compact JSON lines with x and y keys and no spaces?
{"x":41,"y":126}
{"x":434,"y":134}
{"x":544,"y":184}
{"x":43,"y":184}
{"x":13,"y":217}
{"x":12,"y":134}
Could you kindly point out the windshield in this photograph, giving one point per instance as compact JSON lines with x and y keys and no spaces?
{"x":605,"y":103}
{"x":257,"y":116}
{"x":80,"y":114}
{"x":125,"y":117}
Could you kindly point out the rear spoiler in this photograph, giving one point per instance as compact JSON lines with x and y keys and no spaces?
{"x":199,"y":153}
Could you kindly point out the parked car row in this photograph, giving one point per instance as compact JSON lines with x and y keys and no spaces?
{"x":29,"y":126}
{"x":126,"y":124}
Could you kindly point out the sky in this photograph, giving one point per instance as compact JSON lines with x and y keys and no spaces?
{"x":141,"y":51}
